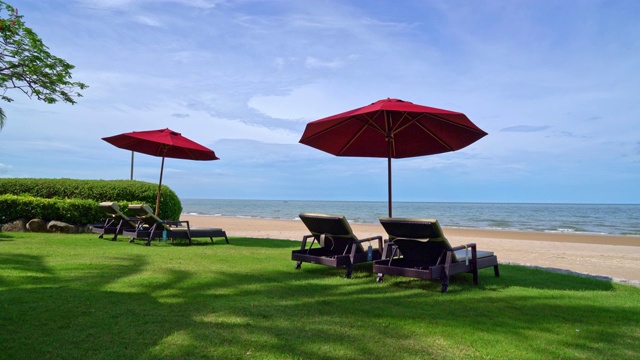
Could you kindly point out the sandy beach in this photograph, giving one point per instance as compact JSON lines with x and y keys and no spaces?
{"x":615,"y":258}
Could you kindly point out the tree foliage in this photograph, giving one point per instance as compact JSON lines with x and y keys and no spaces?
{"x":27,"y":65}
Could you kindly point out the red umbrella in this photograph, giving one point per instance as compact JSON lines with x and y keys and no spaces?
{"x":392,"y":128}
{"x":162,"y":143}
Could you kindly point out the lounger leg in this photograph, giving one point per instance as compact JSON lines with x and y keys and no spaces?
{"x":496,"y":271}
{"x":101,"y":236}
{"x":298,"y":265}
{"x":349,"y":271}
{"x":380,"y":278}
{"x":445,"y":277}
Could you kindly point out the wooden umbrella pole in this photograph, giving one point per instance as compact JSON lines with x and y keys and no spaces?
{"x":159,"y":187}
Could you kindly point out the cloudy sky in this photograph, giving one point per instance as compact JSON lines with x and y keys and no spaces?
{"x":554,"y":83}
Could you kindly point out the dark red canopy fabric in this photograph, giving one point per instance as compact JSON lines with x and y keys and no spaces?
{"x":392,"y":128}
{"x":162,"y":143}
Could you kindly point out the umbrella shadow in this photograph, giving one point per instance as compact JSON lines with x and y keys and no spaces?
{"x":510,"y":276}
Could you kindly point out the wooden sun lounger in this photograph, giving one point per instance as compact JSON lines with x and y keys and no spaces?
{"x":116,"y":221}
{"x":337,"y":245}
{"x":151,"y":227}
{"x":418,"y":248}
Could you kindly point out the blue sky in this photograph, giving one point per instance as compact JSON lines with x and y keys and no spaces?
{"x":554,"y":83}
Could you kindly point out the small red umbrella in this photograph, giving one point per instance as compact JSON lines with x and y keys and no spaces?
{"x":162,"y":143}
{"x":392,"y":128}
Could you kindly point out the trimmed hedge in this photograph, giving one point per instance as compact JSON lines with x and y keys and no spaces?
{"x":76,"y":201}
{"x":72,"y":211}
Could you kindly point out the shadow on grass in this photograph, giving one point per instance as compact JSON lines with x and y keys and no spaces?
{"x":5,"y":237}
{"x":252,"y":303}
{"x":510,"y":276}
{"x":265,"y":243}
{"x":235,"y":241}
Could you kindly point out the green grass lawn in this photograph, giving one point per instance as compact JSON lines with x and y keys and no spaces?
{"x":79,"y":297}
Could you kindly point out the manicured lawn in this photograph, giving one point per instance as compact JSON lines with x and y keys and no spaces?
{"x":79,"y":297}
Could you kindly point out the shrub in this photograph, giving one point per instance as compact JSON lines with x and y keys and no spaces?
{"x":76,"y":201}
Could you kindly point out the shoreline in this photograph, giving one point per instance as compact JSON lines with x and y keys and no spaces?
{"x":612,"y":257}
{"x":570,"y":237}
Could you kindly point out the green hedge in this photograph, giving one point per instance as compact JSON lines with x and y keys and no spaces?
{"x":76,"y":201}
{"x":72,"y":211}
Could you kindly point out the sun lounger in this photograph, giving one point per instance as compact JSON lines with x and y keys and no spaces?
{"x":418,"y":248}
{"x":116,"y":221}
{"x":337,"y":245}
{"x":152,"y":227}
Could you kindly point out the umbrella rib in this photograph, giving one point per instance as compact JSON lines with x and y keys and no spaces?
{"x":456,"y":124}
{"x":405,"y":114}
{"x":434,"y":136}
{"x":353,"y":138}
{"x":415,"y":120}
{"x":368,"y":123}
{"x":355,"y":117}
{"x":425,"y":129}
{"x":328,"y":129}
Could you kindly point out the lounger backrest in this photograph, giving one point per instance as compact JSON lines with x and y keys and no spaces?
{"x":336,"y":227}
{"x":112,"y":209}
{"x":145,"y":214}
{"x":420,"y":241}
{"x":119,"y":218}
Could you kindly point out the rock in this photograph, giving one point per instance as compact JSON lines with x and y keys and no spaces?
{"x":61,"y":227}
{"x":14,"y":226}
{"x":37,"y":225}
{"x":85,"y":229}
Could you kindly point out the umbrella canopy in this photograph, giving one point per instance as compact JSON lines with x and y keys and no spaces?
{"x":161,"y":143}
{"x":392,"y":128}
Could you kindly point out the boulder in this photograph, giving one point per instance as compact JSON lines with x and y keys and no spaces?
{"x":14,"y":226}
{"x":85,"y":229}
{"x":61,"y":227}
{"x":37,"y":225}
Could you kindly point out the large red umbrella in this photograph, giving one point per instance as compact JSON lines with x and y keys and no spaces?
{"x":162,"y":143}
{"x":392,"y":128}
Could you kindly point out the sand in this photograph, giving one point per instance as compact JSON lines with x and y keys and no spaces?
{"x":614,"y":258}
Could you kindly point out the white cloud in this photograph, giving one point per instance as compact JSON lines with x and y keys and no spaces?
{"x":148,"y":20}
{"x":4,"y":169}
{"x":313,"y":62}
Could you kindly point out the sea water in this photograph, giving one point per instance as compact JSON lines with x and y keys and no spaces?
{"x":568,"y":218}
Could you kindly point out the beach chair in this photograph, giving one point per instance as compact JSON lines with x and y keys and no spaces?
{"x":418,"y":248}
{"x":116,"y":221}
{"x":337,"y":246}
{"x":152,"y":227}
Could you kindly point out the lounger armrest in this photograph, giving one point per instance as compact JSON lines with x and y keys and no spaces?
{"x":462,"y":247}
{"x":472,"y":246}
{"x":177,"y":223}
{"x":304,"y":241}
{"x":389,"y":250}
{"x":369,"y":239}
{"x":360,"y":241}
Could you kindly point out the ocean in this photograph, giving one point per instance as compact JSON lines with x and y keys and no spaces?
{"x":566,"y":218}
